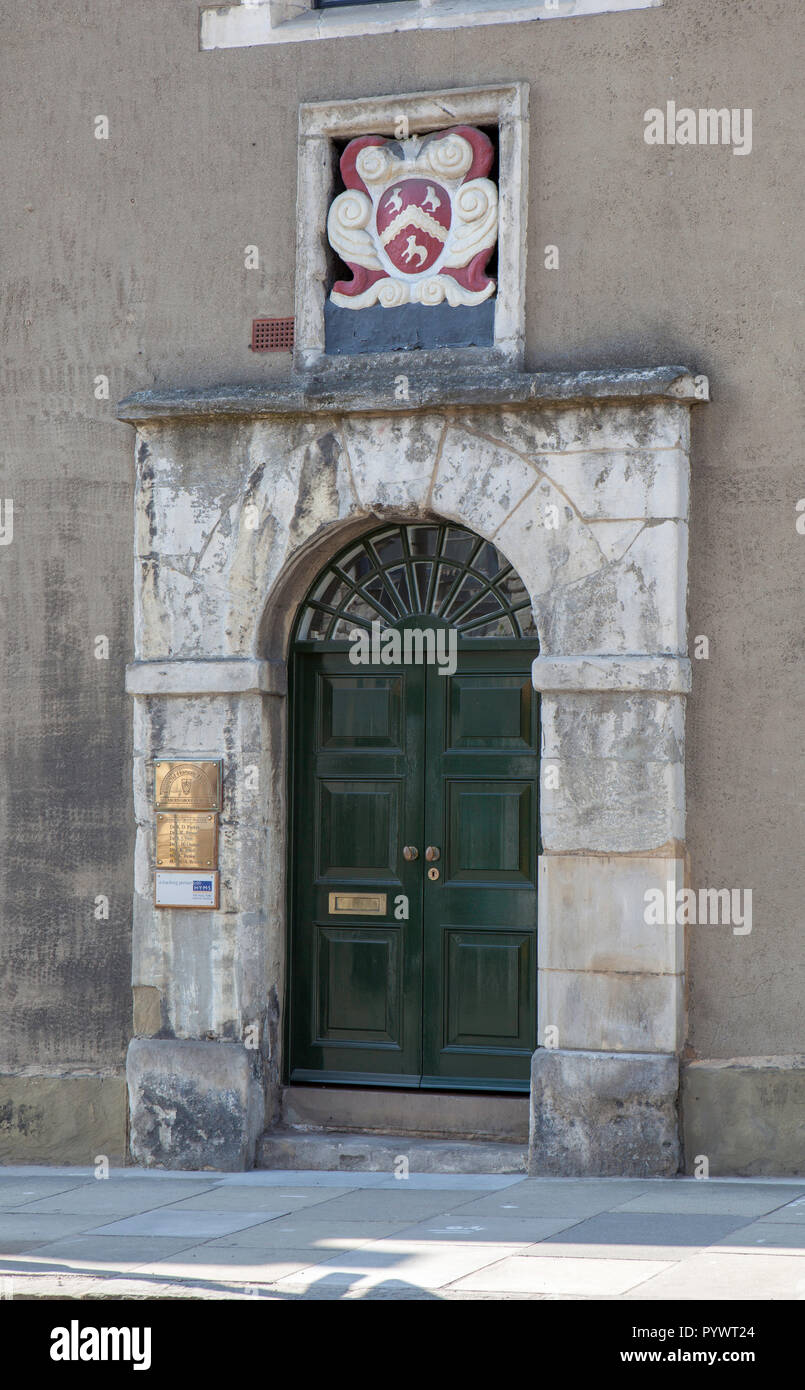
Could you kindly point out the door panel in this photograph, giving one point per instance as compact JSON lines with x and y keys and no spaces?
{"x":488,"y":832}
{"x":359,"y":982}
{"x":488,"y":998}
{"x":480,"y":914}
{"x":490,"y":713}
{"x":361,"y":711}
{"x":356,"y":980}
{"x":359,"y":828}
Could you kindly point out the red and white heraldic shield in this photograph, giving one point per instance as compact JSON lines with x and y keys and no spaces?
{"x":418,"y":220}
{"x":413,"y":219}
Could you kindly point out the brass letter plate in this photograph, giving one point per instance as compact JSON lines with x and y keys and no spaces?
{"x":357,"y":904}
{"x":187,"y":840}
{"x":192,"y":784}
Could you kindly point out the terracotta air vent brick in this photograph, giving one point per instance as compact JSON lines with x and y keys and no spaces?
{"x":272,"y":335}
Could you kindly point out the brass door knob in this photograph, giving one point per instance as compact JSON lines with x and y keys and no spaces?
{"x":431,"y":853}
{"x":410,"y":852}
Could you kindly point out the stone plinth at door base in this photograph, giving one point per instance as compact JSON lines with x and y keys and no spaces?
{"x":193,"y":1104}
{"x":603,"y":1114}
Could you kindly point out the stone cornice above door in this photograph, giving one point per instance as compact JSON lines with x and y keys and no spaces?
{"x":379,"y":392}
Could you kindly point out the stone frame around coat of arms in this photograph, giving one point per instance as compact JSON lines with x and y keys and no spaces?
{"x":325,"y":125}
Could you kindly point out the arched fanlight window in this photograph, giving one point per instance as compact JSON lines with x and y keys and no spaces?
{"x":444,"y":572}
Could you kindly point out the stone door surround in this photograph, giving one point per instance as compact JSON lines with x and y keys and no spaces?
{"x":581,"y":480}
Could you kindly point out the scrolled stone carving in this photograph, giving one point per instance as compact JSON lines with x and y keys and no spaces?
{"x":347,"y":220}
{"x":390,"y":293}
{"x":450,"y":157}
{"x":418,"y":220}
{"x":372,"y":163}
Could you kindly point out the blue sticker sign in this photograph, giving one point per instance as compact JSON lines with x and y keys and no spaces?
{"x":178,"y":888}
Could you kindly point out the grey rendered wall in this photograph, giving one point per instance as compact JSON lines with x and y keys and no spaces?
{"x":126,"y":258}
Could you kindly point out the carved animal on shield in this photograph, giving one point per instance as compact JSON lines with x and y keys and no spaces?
{"x":395,"y":201}
{"x":431,"y":202}
{"x":413,"y":248}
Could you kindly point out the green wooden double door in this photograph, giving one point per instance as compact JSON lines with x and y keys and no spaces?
{"x":415,"y":840}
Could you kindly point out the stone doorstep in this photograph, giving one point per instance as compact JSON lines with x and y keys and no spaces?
{"x":379,"y":1153}
{"x":425,"y":1114}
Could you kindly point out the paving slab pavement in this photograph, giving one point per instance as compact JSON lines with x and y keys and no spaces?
{"x":141,"y":1234}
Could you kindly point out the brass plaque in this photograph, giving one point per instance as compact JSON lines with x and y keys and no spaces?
{"x":358,"y":904}
{"x":192,"y":784}
{"x":187,"y":840}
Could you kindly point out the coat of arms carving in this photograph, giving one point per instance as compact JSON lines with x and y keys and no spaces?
{"x":418,"y":220}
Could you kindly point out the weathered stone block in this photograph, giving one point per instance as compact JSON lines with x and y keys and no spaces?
{"x":622,"y":483}
{"x":147,"y":1010}
{"x":598,"y":1115}
{"x":197,"y":724}
{"x":549,"y":546}
{"x":609,"y":804}
{"x":595,"y":673}
{"x":591,"y":912}
{"x":633,"y":605}
{"x":198,"y":972}
{"x":479,"y":482}
{"x":746,"y":1116}
{"x":62,"y":1119}
{"x":175,"y":614}
{"x":393,"y":457}
{"x":612,"y":1011}
{"x":223,"y":957}
{"x":194,"y":1104}
{"x":612,"y":427}
{"x":613,"y":724}
{"x":178,"y":524}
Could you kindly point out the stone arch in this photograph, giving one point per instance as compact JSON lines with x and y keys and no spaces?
{"x":438,"y":472}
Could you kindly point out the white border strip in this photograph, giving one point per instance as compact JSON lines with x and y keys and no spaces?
{"x":257,"y":22}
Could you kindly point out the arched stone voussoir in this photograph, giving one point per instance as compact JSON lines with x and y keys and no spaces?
{"x":392,"y":458}
{"x":635,"y":604}
{"x":293,"y":499}
{"x":490,"y":488}
{"x":547,"y":542}
{"x":477,"y":482}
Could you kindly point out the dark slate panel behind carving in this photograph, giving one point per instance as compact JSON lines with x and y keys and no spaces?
{"x":410,"y":326}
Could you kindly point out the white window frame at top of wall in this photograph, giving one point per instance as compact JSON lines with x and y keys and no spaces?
{"x":250,"y":23}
